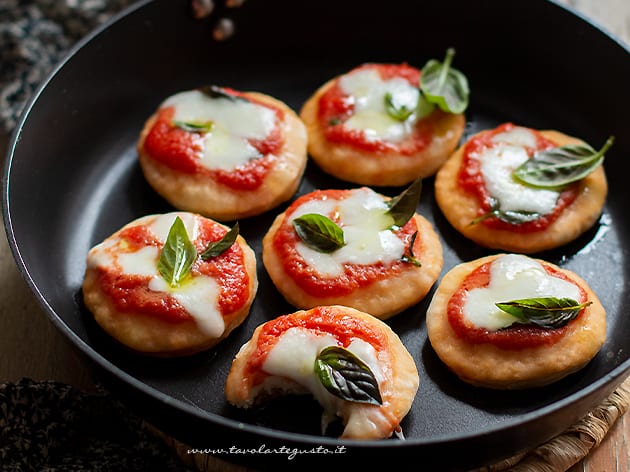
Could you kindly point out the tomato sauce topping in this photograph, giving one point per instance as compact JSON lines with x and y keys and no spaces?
{"x":131,"y":293}
{"x":471,"y":180}
{"x":181,"y":150}
{"x":355,"y":276}
{"x":336,"y":107}
{"x":321,"y":320}
{"x":514,"y":337}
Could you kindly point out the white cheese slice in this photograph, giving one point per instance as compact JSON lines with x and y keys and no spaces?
{"x":235,"y":122}
{"x":497,"y":166}
{"x":512,"y":277}
{"x":368,"y":89}
{"x":293,"y":357}
{"x":198,"y":295}
{"x":364,"y":221}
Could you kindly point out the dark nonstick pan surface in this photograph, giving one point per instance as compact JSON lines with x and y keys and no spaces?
{"x":72,"y":178}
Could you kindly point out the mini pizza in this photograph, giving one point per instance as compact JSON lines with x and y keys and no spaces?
{"x":353,"y":364}
{"x":353,"y":248}
{"x":374,"y":126}
{"x":521,"y":190}
{"x":170,"y":284}
{"x":222,"y":153}
{"x":508,"y":321}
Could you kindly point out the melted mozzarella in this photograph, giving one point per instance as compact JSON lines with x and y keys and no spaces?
{"x":517,"y":136}
{"x":498,"y":164}
{"x":368,"y":90}
{"x":161,"y":225}
{"x":235,"y":123}
{"x":141,"y":262}
{"x":293,"y":357}
{"x":198,"y":295}
{"x":512,"y":277}
{"x":364,"y":220}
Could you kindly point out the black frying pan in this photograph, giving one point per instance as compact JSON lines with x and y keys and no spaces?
{"x":72,"y":178}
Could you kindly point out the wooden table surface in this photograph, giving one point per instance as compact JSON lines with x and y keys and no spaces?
{"x":31,"y":347}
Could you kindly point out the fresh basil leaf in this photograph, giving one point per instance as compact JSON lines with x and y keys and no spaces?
{"x":195,"y":126}
{"x":561,"y":166}
{"x":445,"y":86}
{"x":512,"y":217}
{"x":411,"y":259}
{"x":216,"y":248}
{"x":516,"y":217}
{"x":397,"y":112}
{"x":213,"y":91}
{"x":403,"y":206}
{"x":508,"y":216}
{"x":549,"y":312}
{"x":346,"y":376}
{"x":319,"y":232}
{"x":177,"y":255}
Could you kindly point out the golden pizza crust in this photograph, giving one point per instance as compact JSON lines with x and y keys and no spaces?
{"x":362,"y":421}
{"x":385,"y":297}
{"x":199,"y":194}
{"x":489,"y":366}
{"x":460,"y":208}
{"x":384,"y":168}
{"x":156,"y":337}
